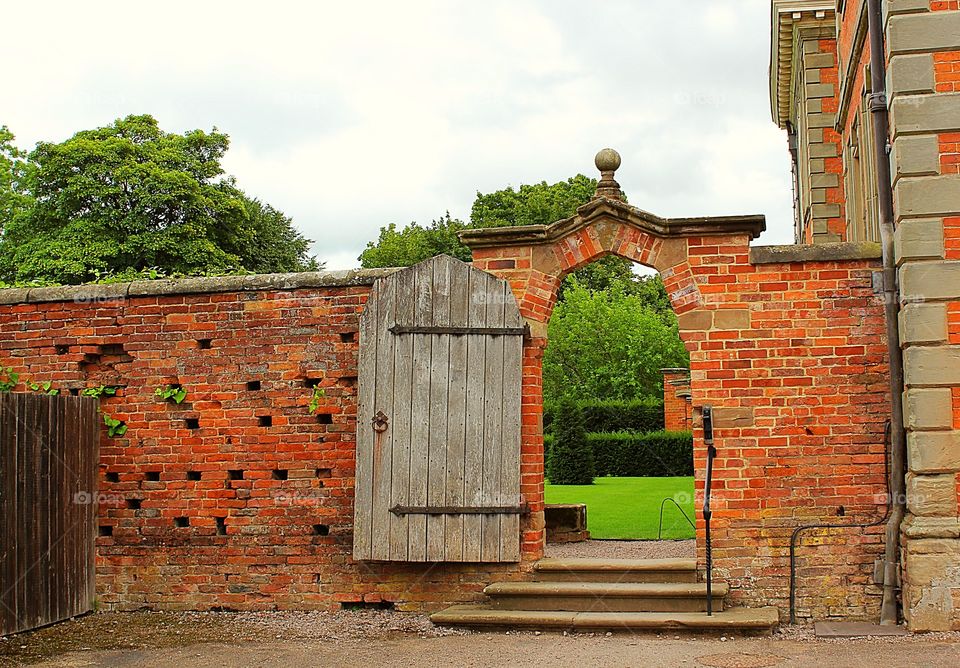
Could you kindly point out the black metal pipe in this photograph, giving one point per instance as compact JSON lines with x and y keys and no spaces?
{"x":898,"y":445}
{"x":707,"y":514}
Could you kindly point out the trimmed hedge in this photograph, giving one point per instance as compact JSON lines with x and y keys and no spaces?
{"x":642,"y":415}
{"x":572,"y":460}
{"x":622,"y":454}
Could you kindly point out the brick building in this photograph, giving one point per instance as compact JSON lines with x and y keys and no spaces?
{"x":826,"y":91}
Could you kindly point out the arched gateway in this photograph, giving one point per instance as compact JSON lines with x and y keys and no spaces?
{"x":786,"y":349}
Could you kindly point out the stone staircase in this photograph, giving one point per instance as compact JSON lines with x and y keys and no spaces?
{"x":609,"y":594}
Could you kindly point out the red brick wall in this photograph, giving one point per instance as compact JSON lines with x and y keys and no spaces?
{"x":677,"y":412}
{"x":285,"y":543}
{"x":792,"y":357}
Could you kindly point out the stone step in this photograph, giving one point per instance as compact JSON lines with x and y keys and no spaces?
{"x":605,"y":596}
{"x":750,"y":620}
{"x":615,"y":570}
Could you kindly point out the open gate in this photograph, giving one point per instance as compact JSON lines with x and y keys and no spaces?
{"x":438,"y":427}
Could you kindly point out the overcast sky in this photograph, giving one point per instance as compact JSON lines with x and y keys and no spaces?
{"x":351,"y":115}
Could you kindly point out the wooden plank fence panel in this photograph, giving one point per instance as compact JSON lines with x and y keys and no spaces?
{"x":48,"y":466}
{"x":436,"y":343}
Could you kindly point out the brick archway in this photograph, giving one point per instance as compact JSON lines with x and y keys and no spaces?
{"x":688,"y":253}
{"x":786,"y":344}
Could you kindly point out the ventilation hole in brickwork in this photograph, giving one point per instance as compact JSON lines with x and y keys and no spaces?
{"x":134,"y":504}
{"x":152,"y":476}
{"x":74,"y":391}
{"x":105,"y":530}
{"x":367,"y":605}
{"x":317,"y":578}
{"x":204,"y":344}
{"x":112,"y":350}
{"x":841,"y":511}
{"x":265,"y":420}
{"x":321,"y":530}
{"x":235,"y":474}
{"x":311,"y":382}
{"x":61,"y":349}
{"x":348,"y":381}
{"x":221,"y":526}
{"x":323,"y":473}
{"x":181,"y":522}
{"x":279,"y":474}
{"x":253,"y":385}
{"x":348,"y":337}
{"x":112,"y":476}
{"x":192,"y":423}
{"x":193,"y":475}
{"x":325,"y":418}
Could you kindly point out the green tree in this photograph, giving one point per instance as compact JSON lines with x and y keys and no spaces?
{"x":130,"y":197}
{"x":571,"y":457}
{"x":609,"y":345}
{"x":536,"y":204}
{"x":414,"y":243}
{"x":14,"y":173}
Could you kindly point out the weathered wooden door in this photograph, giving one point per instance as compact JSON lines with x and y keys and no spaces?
{"x":438,"y":428}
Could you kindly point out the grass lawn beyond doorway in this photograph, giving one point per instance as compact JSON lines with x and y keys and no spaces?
{"x":629,"y":508}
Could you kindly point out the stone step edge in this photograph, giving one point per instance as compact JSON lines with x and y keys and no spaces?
{"x":753,"y":619}
{"x":614,"y":565}
{"x":607,"y":589}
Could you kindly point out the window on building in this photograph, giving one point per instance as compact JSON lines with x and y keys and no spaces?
{"x":863,"y":219}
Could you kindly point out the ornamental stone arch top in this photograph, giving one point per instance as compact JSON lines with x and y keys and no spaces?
{"x":536,"y":258}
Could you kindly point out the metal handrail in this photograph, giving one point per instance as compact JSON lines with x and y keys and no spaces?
{"x":685,"y":516}
{"x":707,"y":514}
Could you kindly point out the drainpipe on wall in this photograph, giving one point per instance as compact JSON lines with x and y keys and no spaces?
{"x":891,"y":296}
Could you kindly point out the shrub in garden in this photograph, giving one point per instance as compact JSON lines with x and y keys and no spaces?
{"x":571,"y":457}
{"x":641,"y":415}
{"x":656,"y":454}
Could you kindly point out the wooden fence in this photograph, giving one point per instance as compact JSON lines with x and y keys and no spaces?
{"x":48,"y":494}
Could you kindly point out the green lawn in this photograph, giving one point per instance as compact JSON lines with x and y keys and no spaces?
{"x":630,"y":507}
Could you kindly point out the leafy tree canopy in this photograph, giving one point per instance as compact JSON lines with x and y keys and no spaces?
{"x":414,"y":243}
{"x":610,"y":344}
{"x":14,"y":170}
{"x":130,"y":198}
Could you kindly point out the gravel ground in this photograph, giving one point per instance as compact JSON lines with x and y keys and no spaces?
{"x":282,"y":639}
{"x":623,"y":549}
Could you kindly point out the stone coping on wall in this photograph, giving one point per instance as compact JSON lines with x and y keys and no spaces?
{"x":182,"y":286}
{"x":605,"y":208}
{"x":830,"y":252}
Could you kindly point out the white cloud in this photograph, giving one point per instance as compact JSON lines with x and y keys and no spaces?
{"x":348,"y":116}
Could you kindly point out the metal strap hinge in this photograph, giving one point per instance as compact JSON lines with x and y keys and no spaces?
{"x":461,"y":331}
{"x":399,"y":510}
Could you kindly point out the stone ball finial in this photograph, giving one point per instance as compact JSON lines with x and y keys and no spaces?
{"x":608,"y":161}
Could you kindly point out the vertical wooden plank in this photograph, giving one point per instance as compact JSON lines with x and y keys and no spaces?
{"x":93,"y":471}
{"x":493,"y":420}
{"x":401,"y":418}
{"x":383,"y":441}
{"x":510,"y":454}
{"x":58,"y":499}
{"x":474,"y":422}
{"x":366,"y":387}
{"x":457,"y":411}
{"x":439,"y":392}
{"x":44,"y":510}
{"x":420,"y":411}
{"x":8,"y":514}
